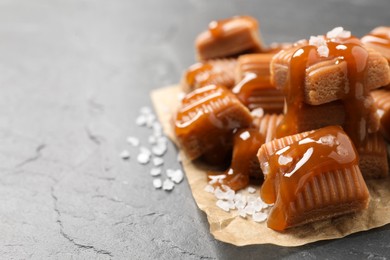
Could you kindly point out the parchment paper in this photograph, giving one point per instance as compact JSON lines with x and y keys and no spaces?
{"x":230,"y":228}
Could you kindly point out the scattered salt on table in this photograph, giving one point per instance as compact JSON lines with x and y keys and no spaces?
{"x":125,"y":155}
{"x":157,"y":183}
{"x":168,"y":185}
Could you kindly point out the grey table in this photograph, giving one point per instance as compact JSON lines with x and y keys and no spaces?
{"x":73,"y":76}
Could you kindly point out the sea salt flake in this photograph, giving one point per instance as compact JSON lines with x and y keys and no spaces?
{"x":143,"y":158}
{"x":223,"y":205}
{"x":334,"y":33}
{"x":240,"y":204}
{"x":157,"y":161}
{"x":157,"y":183}
{"x":245,"y":135}
{"x":155,"y":171}
{"x":134,"y":141}
{"x":323,"y":51}
{"x":177,"y":176}
{"x":284,"y":160}
{"x":152,"y":139}
{"x":150,"y":120}
{"x":258,"y":112}
{"x":259,"y":217}
{"x":125,"y":155}
{"x":168,"y":185}
{"x":159,"y":149}
{"x":251,"y":190}
{"x":230,"y":172}
{"x":209,"y":189}
{"x":242,"y":213}
{"x":140,"y":120}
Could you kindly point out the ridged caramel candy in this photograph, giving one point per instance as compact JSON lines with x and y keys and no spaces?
{"x":228,"y":38}
{"x":379,"y":39}
{"x":206,"y":120}
{"x":311,"y":176}
{"x":217,"y":72}
{"x":382,"y":101}
{"x":253,"y":85}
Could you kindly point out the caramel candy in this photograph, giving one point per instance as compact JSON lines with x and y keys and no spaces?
{"x":311,"y":176}
{"x":382,"y":101}
{"x":308,"y":69}
{"x":228,"y":38}
{"x":212,"y":72}
{"x":246,"y":144}
{"x":328,"y":79}
{"x":206,"y":120}
{"x":379,"y":39}
{"x":254,"y":87}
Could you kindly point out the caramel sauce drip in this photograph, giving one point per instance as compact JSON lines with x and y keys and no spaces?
{"x":293,"y":166}
{"x":218,"y":28}
{"x":379,"y":36}
{"x":244,"y":163}
{"x":357,"y":114}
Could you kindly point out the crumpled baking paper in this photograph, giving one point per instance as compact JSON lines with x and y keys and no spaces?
{"x":230,"y":228}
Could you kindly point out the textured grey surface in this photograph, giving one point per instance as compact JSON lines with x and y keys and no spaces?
{"x":73,"y":75}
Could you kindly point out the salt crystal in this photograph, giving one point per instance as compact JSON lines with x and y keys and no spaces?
{"x":209,"y":189}
{"x":323,"y":51}
{"x":231,"y":204}
{"x":259,"y":216}
{"x":249,"y":209}
{"x":242,"y":213}
{"x":141,"y":120}
{"x":240,"y":204}
{"x":150,"y":120}
{"x":157,"y":183}
{"x":258,"y":112}
{"x":334,"y":33}
{"x":152,"y":139}
{"x":245,"y":135}
{"x":159,"y":149}
{"x":155,"y":171}
{"x":230,"y":172}
{"x":223,"y":205}
{"x":145,"y":110}
{"x":125,"y":155}
{"x":143,"y":158}
{"x":177,"y":176}
{"x":133,"y":140}
{"x":216,"y":178}
{"x":219,"y":194}
{"x":168,"y":185}
{"x":157,"y":161}
{"x":284,"y":160}
{"x":251,"y":190}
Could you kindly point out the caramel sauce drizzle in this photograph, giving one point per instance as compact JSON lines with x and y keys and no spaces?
{"x":246,"y":143}
{"x":291,"y":167}
{"x":357,"y":114}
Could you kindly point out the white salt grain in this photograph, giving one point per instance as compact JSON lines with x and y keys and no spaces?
{"x":323,"y":51}
{"x":159,"y":149}
{"x":152,"y":139}
{"x":168,"y":185}
{"x":259,"y":216}
{"x":140,"y":120}
{"x":155,"y":171}
{"x":125,"y":155}
{"x":209,"y":189}
{"x":150,"y":120}
{"x":157,"y":161}
{"x":177,"y":176}
{"x":242,"y":213}
{"x":143,"y":158}
{"x":251,"y":190}
{"x":245,"y":135}
{"x":134,"y":141}
{"x":157,"y":183}
{"x":223,"y":205}
{"x":258,"y":112}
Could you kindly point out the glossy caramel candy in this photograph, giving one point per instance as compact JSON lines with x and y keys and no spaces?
{"x":311,"y":176}
{"x":206,"y":120}
{"x":379,"y":39}
{"x":382,"y":101}
{"x":254,"y":87}
{"x":217,"y":72}
{"x":229,"y":38}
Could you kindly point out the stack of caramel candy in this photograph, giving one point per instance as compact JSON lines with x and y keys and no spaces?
{"x":305,"y":119}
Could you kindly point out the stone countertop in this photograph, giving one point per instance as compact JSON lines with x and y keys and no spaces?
{"x":73,"y":76}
